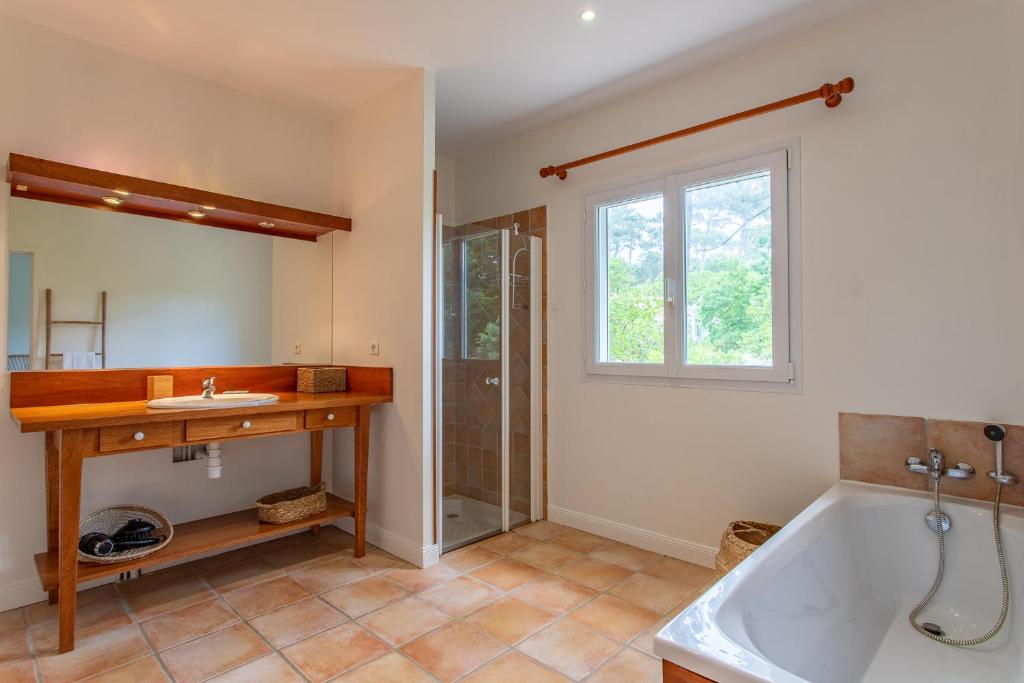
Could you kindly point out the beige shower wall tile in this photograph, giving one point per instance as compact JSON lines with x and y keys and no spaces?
{"x":874,"y":448}
{"x":966,"y":442}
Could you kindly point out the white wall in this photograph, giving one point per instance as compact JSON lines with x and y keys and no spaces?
{"x":446,"y":204}
{"x":384,"y":158}
{"x":67,"y":100}
{"x":177,"y":294}
{"x":912,"y":244}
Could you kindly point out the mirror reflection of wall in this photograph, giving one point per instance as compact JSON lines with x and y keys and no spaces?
{"x":177,"y":294}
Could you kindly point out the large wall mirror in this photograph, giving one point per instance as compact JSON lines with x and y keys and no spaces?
{"x":175,"y":294}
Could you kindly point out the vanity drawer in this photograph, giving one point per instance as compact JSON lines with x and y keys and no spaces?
{"x":325,"y":418}
{"x":152,"y":435}
{"x":213,"y":428}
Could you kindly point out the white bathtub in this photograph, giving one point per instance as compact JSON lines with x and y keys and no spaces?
{"x":826,"y":600}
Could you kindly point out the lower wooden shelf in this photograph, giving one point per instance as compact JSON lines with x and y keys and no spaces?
{"x":195,"y":538}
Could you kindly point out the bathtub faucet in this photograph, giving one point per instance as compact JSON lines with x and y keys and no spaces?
{"x":935,"y":467}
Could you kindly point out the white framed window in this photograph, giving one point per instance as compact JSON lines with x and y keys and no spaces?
{"x":691,"y":276}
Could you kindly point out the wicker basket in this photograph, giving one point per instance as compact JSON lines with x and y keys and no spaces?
{"x":321,"y":380}
{"x":739,"y":540}
{"x":109,"y":519}
{"x":293,"y":504}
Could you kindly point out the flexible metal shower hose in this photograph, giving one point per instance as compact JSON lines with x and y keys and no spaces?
{"x":971,"y":642}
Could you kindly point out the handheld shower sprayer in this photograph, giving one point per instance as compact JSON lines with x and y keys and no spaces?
{"x":996,"y":434}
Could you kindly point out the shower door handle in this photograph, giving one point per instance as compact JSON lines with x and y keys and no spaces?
{"x":493,"y":381}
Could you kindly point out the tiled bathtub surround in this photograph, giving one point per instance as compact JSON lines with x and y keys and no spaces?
{"x":874,"y":449}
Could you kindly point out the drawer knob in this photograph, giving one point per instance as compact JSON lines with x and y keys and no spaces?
{"x":330,"y":416}
{"x":139,"y":436}
{"x":246,"y":424}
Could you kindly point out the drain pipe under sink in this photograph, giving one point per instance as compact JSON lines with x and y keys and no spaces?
{"x":213,"y":462}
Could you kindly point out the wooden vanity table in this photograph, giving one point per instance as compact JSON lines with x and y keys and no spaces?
{"x":95,"y":413}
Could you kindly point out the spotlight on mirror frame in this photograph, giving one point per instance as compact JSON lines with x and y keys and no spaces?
{"x":113,"y":201}
{"x":197,"y":214}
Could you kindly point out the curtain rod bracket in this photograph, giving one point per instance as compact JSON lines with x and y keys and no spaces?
{"x":832,"y":93}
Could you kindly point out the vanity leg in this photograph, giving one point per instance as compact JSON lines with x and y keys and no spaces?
{"x":316,"y":461}
{"x":362,"y":459}
{"x":52,"y":499}
{"x":72,"y":449}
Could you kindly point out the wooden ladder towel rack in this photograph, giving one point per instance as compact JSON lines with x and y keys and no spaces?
{"x":832,"y":93}
{"x":101,"y":323}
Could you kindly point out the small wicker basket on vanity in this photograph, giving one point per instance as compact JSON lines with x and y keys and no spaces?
{"x":321,"y":380}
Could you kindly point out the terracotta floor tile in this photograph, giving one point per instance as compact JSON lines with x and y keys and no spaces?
{"x":145,"y":583}
{"x":301,"y":556}
{"x":651,"y":593}
{"x":515,"y":666}
{"x":629,"y":665}
{"x":96,"y":617}
{"x":376,"y":560}
{"x":363,"y":597}
{"x":242,"y":574}
{"x":22,"y":671}
{"x":453,"y":650}
{"x":510,"y":619}
{"x":269,"y":669}
{"x":299,"y":620}
{"x":417,"y":580}
{"x":625,"y":556}
{"x":546,"y":556}
{"x":542,"y":530}
{"x":335,"y":651}
{"x":391,"y":668}
{"x":145,"y":670}
{"x":645,"y":641}
{"x":468,"y":559}
{"x":174,"y":628}
{"x":614,"y":617}
{"x":214,"y":654}
{"x":677,"y":571}
{"x":594,"y":573}
{"x":507,"y":574}
{"x":569,"y":649}
{"x":42,"y":611}
{"x":208,"y":565}
{"x":506,"y":543}
{"x":581,"y":541}
{"x":337,"y":539}
{"x":555,"y":594}
{"x":11,"y":619}
{"x":328,"y":575}
{"x":13,"y":645}
{"x":266,"y":596}
{"x":402,"y":621}
{"x":93,"y":654}
{"x":461,"y":595}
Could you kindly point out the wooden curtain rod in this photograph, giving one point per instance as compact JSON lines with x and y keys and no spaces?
{"x":832,"y":93}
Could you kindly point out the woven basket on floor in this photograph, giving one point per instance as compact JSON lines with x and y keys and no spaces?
{"x":109,"y":519}
{"x":293,"y":504}
{"x":739,"y":540}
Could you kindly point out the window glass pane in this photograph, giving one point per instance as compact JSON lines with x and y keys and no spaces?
{"x":728,"y":229}
{"x":633,"y":279}
{"x":451,"y":298}
{"x":482,"y":269}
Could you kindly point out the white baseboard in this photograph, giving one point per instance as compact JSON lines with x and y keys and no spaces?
{"x":410,"y":551}
{"x":678,"y":548}
{"x":20,"y":593}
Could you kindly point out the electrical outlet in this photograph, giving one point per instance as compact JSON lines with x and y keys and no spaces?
{"x":298,"y":349}
{"x":374,"y":348}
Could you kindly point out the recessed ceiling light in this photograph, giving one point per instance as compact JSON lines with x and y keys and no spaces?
{"x":197,"y":214}
{"x":113,"y":201}
{"x":123,"y":193}
{"x":588,"y":15}
{"x":266,"y":224}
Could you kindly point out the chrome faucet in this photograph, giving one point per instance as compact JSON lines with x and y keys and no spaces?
{"x":935,"y":467}
{"x":208,"y":388}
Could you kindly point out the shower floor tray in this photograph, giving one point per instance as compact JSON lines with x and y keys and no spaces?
{"x":466,"y":520}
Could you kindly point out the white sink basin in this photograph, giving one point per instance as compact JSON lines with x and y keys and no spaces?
{"x":218,"y":401}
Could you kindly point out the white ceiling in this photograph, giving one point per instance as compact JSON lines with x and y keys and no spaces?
{"x":502,"y":67}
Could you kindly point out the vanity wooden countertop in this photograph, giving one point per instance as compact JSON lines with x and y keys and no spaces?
{"x":89,"y":415}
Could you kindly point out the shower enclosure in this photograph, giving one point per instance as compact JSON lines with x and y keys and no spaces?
{"x":489,"y":309}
